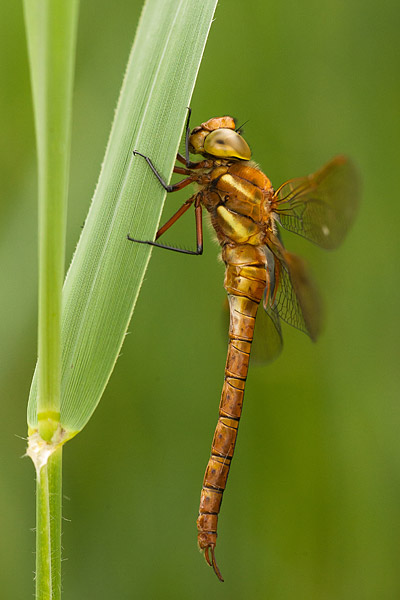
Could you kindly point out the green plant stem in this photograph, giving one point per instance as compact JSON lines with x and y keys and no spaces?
{"x":48,"y":528}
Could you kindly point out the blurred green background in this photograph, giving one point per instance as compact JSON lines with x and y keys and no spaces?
{"x":312,"y":508}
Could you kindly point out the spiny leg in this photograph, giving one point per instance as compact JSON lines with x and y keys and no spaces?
{"x":186,"y":205}
{"x":199,"y":229}
{"x":168,"y":188}
{"x":186,"y":159}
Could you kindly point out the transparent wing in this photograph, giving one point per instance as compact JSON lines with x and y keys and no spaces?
{"x":292,"y":295}
{"x":267,"y":343}
{"x":322,"y":206}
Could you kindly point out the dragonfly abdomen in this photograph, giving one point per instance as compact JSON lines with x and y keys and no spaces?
{"x":245,"y":282}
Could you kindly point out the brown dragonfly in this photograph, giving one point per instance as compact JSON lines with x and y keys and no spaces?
{"x":247,"y":215}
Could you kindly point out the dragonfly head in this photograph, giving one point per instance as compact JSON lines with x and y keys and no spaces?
{"x":219,"y":139}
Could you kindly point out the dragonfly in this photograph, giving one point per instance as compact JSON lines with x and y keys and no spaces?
{"x":248,"y":214}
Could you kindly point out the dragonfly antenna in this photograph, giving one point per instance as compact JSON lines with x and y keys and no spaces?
{"x":239,"y":129}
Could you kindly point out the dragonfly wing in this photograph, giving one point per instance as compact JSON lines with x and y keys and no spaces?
{"x":292,"y":294}
{"x":322,"y":206}
{"x":298,"y":300}
{"x":267,"y":343}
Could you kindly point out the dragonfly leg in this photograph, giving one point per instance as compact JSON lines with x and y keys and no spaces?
{"x":181,"y":158}
{"x":185,"y":160}
{"x":189,"y":164}
{"x":157,"y":245}
{"x":199,"y":229}
{"x":168,"y":188}
{"x":182,"y":171}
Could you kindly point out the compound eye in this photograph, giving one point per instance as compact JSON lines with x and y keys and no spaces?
{"x":226,"y":143}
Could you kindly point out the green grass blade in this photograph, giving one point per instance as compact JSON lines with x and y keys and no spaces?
{"x":51,"y":33}
{"x":106,"y":273}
